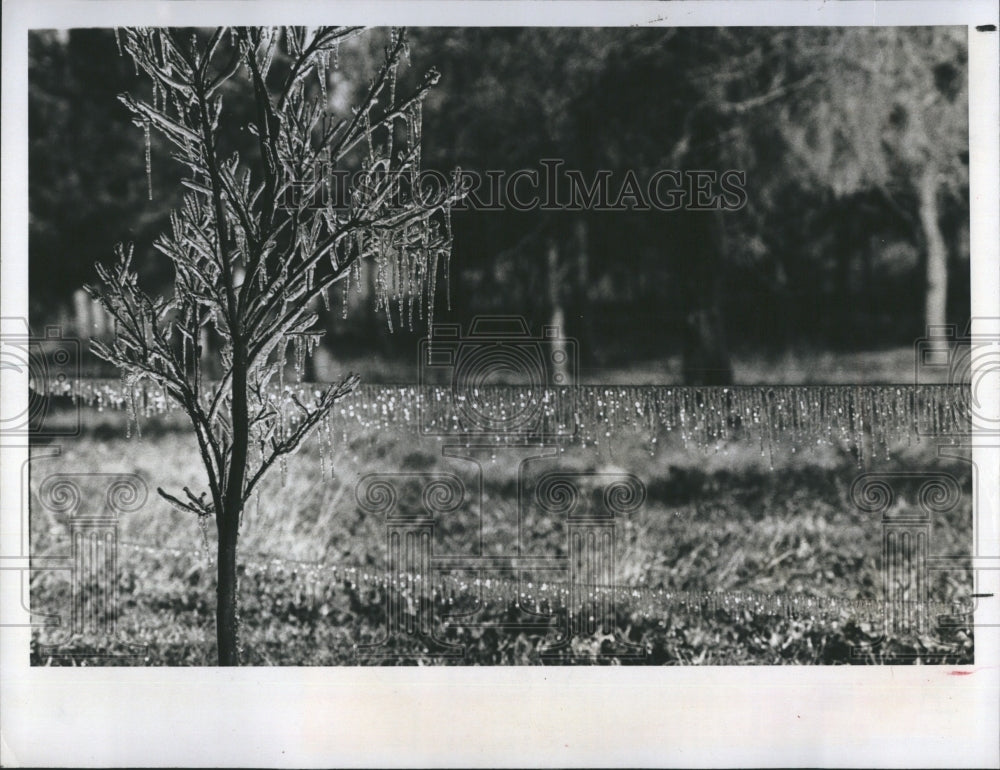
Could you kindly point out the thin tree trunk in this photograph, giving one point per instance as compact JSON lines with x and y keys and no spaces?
{"x":937,"y":254}
{"x":843,"y":335}
{"x":226,"y":620}
{"x":705,"y":352}
{"x":560,"y":369}
{"x":583,"y":316}
{"x":229,"y":516}
{"x":706,"y":359}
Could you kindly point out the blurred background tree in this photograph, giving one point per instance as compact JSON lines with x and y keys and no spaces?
{"x":892,"y":125}
{"x":86,"y":180}
{"x":854,"y":143}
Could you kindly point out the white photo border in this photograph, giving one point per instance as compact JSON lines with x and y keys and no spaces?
{"x":461,"y":716}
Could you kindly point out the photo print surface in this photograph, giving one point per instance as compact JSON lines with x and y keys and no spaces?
{"x":500,"y":346}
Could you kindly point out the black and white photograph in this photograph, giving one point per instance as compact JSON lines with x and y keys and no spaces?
{"x":340,"y":343}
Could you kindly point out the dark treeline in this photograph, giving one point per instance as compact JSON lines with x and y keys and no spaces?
{"x":851,"y":231}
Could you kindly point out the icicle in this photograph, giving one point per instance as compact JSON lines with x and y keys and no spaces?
{"x":322,"y":449}
{"x":408,"y":125}
{"x":323,"y":72}
{"x":390,"y":126}
{"x":129,"y":415}
{"x":300,"y":357}
{"x":347,"y":293}
{"x":392,"y":85}
{"x":130,"y":386}
{"x":858,"y":424}
{"x":149,"y":164}
{"x":418,"y":121}
{"x":118,"y":41}
{"x":447,"y":260}
{"x":135,"y":64}
{"x":203,"y":526}
{"x":282,"y":357}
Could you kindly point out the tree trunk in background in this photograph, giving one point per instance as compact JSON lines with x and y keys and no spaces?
{"x":81,"y":314}
{"x":935,"y":308}
{"x":706,"y":358}
{"x":843,"y":334}
{"x":583,"y":319}
{"x":560,"y":361}
{"x":704,"y":350}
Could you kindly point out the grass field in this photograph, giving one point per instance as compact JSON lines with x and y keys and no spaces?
{"x":727,"y":562}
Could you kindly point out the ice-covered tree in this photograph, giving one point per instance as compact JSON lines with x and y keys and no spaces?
{"x":256,"y":244}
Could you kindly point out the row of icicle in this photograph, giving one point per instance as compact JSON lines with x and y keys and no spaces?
{"x":316,"y":580}
{"x":868,"y":418}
